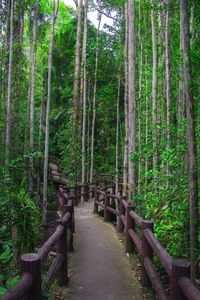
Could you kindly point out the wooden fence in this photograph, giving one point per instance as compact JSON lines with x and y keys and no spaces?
{"x":139,"y":236}
{"x":30,"y":285}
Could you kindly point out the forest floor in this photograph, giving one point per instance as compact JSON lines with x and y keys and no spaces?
{"x":99,"y":268}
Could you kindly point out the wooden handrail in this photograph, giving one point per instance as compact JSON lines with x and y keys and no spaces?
{"x":189,"y":289}
{"x":181,"y":286}
{"x":21,"y":288}
{"x":161,"y":252}
{"x":29,"y":287}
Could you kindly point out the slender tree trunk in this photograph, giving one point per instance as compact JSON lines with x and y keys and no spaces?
{"x":146,"y":124}
{"x":192,"y":151}
{"x":154,"y":92}
{"x":181,"y":94}
{"x":84,"y":94}
{"x":94,"y":103}
{"x":117,"y":136}
{"x":88,"y":131}
{"x":140,"y":103}
{"x":131,"y":98}
{"x":76,"y":130}
{"x":46,"y":154}
{"x":126,"y":145}
{"x":167,"y":74}
{"x":77,"y":65}
{"x":8,"y":115}
{"x":41,"y":126}
{"x":32,"y":97}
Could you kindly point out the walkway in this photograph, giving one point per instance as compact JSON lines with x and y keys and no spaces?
{"x":100,"y":269}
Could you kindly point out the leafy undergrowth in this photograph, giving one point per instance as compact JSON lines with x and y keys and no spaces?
{"x":18,"y":234}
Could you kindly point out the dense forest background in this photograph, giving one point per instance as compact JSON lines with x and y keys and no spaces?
{"x":123,"y":100}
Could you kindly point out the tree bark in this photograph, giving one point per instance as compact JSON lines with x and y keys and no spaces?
{"x":41,"y":126}
{"x":139,"y":104}
{"x":167,"y":73}
{"x":131,"y":99}
{"x":8,"y":115}
{"x":46,"y":154}
{"x":32,"y":97}
{"x":94,"y":103}
{"x":117,"y":136}
{"x":84,"y":94}
{"x":77,"y":65}
{"x":126,"y":145}
{"x":154,"y":93}
{"x":192,"y":151}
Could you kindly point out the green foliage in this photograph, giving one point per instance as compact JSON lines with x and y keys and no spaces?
{"x":26,"y":218}
{"x":7,"y":285}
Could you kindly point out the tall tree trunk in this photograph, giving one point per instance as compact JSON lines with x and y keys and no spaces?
{"x":41,"y":126}
{"x":146,"y":123}
{"x":76,"y":131}
{"x":94,"y":103}
{"x":46,"y":154}
{"x":117,"y":136}
{"x":8,"y":115}
{"x":154,"y":92}
{"x":140,"y":104}
{"x":84,"y":94}
{"x":167,"y":73}
{"x":131,"y":98}
{"x":126,"y":145}
{"x":77,"y":65}
{"x":167,"y":79}
{"x":192,"y":151}
{"x":32,"y":97}
{"x":88,"y":131}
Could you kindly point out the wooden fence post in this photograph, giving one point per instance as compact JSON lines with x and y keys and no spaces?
{"x":96,"y":198}
{"x":107,"y":204}
{"x":63,"y":250}
{"x":113,"y":189}
{"x":76,"y":194}
{"x":146,"y":252}
{"x":86,"y":195}
{"x":31,"y":263}
{"x":70,"y":227}
{"x":180,"y":267}
{"x":120,"y":224}
{"x":93,"y":190}
{"x":79,"y":194}
{"x":130,"y":224}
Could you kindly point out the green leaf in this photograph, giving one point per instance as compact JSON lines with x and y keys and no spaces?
{"x":3,"y":291}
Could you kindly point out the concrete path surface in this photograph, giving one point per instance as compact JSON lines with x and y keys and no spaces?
{"x":100,"y":269}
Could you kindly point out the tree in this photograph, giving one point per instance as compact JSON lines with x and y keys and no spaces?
{"x":126,"y":146}
{"x":192,"y":151}
{"x":46,"y":154}
{"x":94,"y":101}
{"x":131,"y":98}
{"x":84,"y":93}
{"x":32,"y":95}
{"x":77,"y":65}
{"x":154,"y":91}
{"x":10,"y":70}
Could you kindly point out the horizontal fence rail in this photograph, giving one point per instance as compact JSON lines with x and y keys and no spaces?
{"x":139,"y":236}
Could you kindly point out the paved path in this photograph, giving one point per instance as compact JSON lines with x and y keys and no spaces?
{"x":100,"y":268}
